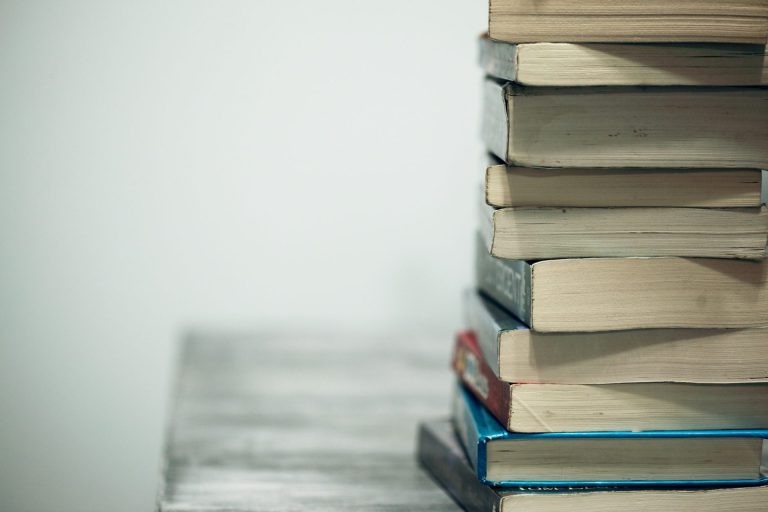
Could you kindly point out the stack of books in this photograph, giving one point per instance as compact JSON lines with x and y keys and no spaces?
{"x":616,"y":351}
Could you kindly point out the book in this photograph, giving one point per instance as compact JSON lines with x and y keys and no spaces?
{"x":677,"y":126}
{"x":569,"y":64}
{"x":735,"y":21}
{"x":441,"y":455}
{"x":535,"y":233}
{"x":513,"y":186}
{"x":673,"y":458}
{"x":537,"y":407}
{"x":611,"y":294}
{"x":515,"y":353}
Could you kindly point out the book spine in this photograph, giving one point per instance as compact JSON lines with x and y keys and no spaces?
{"x":498,"y":59}
{"x":495,"y":126}
{"x":508,"y":282}
{"x":485,"y":223}
{"x":467,"y":432}
{"x":443,"y":459}
{"x":486,"y":331}
{"x":469,"y":365}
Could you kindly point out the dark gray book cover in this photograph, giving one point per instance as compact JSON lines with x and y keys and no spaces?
{"x":441,"y":455}
{"x":508,"y":282}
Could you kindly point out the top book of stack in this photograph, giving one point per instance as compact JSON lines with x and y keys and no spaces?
{"x":629,"y":21}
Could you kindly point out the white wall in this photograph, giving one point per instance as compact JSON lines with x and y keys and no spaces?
{"x":165,"y":164}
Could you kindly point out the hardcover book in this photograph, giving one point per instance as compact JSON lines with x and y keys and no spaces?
{"x":441,"y":455}
{"x":532,"y":407}
{"x":669,"y":458}
{"x":688,"y":127}
{"x":607,"y":294}
{"x":658,"y":21}
{"x":515,"y":353}
{"x":568,"y":64}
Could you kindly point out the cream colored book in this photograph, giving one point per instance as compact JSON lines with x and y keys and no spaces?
{"x":611,"y":294}
{"x":679,"y":127}
{"x":570,"y":64}
{"x":731,"y":21}
{"x":536,"y":408}
{"x":515,"y":353}
{"x":638,"y":406}
{"x":531,"y":233}
{"x":512,"y":186}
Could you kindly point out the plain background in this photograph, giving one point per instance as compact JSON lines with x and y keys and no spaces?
{"x":164,"y":165}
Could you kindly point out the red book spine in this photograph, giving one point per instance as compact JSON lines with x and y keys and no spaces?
{"x":477,"y":376}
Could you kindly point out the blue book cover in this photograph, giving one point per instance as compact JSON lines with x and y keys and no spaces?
{"x":477,"y":429}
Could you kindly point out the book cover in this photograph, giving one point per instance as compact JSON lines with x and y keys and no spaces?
{"x":488,"y":322}
{"x":508,"y":282}
{"x":441,"y":455}
{"x":477,"y":376}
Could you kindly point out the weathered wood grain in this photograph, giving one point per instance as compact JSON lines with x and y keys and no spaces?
{"x":277,"y":423}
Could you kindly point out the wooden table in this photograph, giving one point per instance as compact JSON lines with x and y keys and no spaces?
{"x":287,"y":423}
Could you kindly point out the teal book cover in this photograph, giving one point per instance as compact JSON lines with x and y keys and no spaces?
{"x":477,"y":428}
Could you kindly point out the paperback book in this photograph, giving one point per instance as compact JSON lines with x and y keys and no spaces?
{"x":589,"y":64}
{"x":513,"y":186}
{"x":629,"y":21}
{"x":515,"y":353}
{"x":688,"y":127}
{"x":668,"y":458}
{"x":607,"y":294}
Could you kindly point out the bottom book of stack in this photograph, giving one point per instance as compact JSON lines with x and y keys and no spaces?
{"x":441,"y":454}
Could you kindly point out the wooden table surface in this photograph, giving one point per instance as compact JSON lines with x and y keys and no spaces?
{"x":289,"y":423}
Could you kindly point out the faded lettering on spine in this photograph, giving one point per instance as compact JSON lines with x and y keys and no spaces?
{"x":508,"y":282}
